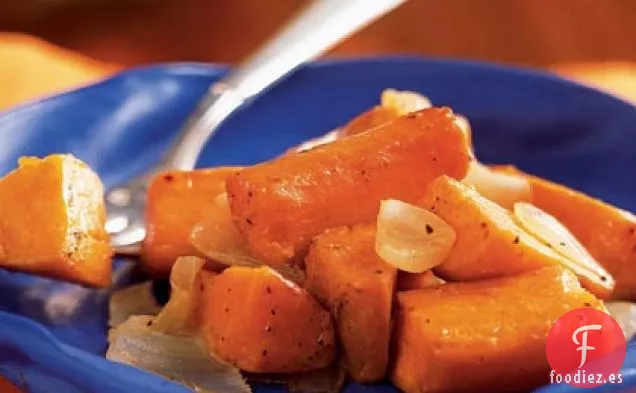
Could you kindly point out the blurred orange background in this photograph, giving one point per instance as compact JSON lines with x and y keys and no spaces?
{"x":53,"y":45}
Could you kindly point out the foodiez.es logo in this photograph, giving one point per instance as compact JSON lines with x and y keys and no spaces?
{"x":586,"y":348}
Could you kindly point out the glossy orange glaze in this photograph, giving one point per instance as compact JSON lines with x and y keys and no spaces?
{"x":609,"y":233}
{"x":260,"y":322}
{"x":282,"y":204}
{"x":177,"y":200}
{"x":486,"y":336}
{"x":52,"y":220}
{"x":346,"y":274}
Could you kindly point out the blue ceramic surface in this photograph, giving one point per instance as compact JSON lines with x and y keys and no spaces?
{"x":120,"y":127}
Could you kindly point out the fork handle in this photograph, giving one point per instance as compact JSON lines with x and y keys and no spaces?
{"x":318,"y":27}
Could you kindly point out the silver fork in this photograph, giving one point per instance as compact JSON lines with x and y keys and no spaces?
{"x":318,"y":27}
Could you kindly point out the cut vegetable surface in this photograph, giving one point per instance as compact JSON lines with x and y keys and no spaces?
{"x":607,"y":232}
{"x":260,"y":322}
{"x":344,"y":272}
{"x":489,"y":242}
{"x":549,"y":230}
{"x":52,"y":220}
{"x":181,"y":359}
{"x":281,"y":205}
{"x":176,"y":203}
{"x":500,"y":187}
{"x":486,"y":336}
{"x":411,"y":238}
{"x":216,"y":236}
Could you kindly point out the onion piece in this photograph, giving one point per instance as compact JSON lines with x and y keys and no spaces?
{"x":136,"y":299}
{"x":502,"y":188}
{"x":625,"y":314}
{"x":179,"y":315}
{"x":410,"y":238}
{"x":555,"y":235}
{"x":181,"y":359}
{"x":404,"y":102}
{"x":217,"y":238}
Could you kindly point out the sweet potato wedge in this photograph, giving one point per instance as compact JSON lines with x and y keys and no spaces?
{"x":376,"y":116}
{"x":345,"y":273}
{"x":52,"y":220}
{"x":176,"y":202}
{"x":486,"y":336}
{"x":489,"y":241}
{"x":263,"y":323}
{"x":608,"y":233}
{"x":282,"y":204}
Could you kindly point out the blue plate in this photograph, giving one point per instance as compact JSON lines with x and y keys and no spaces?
{"x":52,"y":334}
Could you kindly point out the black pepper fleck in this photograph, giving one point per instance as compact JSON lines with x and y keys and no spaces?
{"x":429,"y":229}
{"x":268,"y":289}
{"x":249,"y":221}
{"x":483,"y":224}
{"x":378,"y":271}
{"x":548,"y":245}
{"x":149,"y":323}
{"x":250,"y":194}
{"x":516,"y":241}
{"x":562,"y":244}
{"x":168,"y":178}
{"x":603,"y":278}
{"x":268,"y":328}
{"x":273,"y":311}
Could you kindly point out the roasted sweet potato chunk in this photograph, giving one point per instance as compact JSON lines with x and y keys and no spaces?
{"x":282,"y":204}
{"x":345,"y":273}
{"x":176,"y":203}
{"x":489,"y":243}
{"x":608,"y":233}
{"x":263,"y":323}
{"x":486,"y":336}
{"x":376,"y":116}
{"x":52,"y":221}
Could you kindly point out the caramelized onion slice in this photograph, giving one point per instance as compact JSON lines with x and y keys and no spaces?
{"x":404,"y":102}
{"x":179,"y":315}
{"x":216,"y":236}
{"x":549,"y":230}
{"x":218,"y":239}
{"x":502,"y":188}
{"x":136,"y":299}
{"x":410,"y":238}
{"x":181,"y":359}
